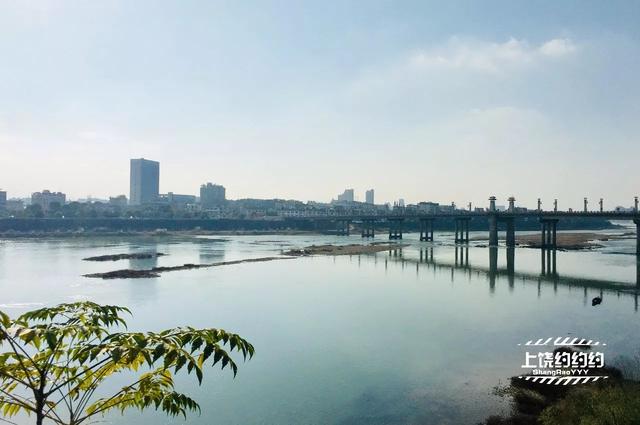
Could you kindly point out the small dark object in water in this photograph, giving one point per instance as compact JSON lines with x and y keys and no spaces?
{"x":596,"y":301}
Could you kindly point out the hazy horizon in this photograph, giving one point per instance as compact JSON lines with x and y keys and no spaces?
{"x":425,"y":101}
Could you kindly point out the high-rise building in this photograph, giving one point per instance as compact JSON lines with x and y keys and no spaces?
{"x":369,"y":196}
{"x":346,"y":196}
{"x":212,"y":195}
{"x":3,"y":199}
{"x":46,"y":199}
{"x":144,"y":181}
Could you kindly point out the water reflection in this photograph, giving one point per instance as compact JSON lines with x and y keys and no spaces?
{"x":144,"y":263}
{"x":462,"y":255}
{"x":548,"y":262}
{"x":211,"y":251}
{"x":447,"y":371}
{"x":548,"y":271}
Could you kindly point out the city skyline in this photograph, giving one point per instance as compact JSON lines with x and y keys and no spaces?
{"x":151,"y":178}
{"x":528,"y":100}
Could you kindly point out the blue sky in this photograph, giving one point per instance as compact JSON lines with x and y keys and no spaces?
{"x":443,"y":101}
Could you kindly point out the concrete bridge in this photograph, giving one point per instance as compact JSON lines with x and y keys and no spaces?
{"x":548,"y":221}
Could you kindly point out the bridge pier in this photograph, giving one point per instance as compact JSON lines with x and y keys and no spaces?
{"x":493,"y":230}
{"x":426,"y":229}
{"x":343,"y":227}
{"x":368,"y":228}
{"x":462,"y":230}
{"x":549,"y":226}
{"x":511,"y":232}
{"x":395,"y":228}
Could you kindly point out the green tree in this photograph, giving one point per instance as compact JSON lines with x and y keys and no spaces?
{"x":55,"y":209}
{"x":58,"y":357}
{"x":34,"y":211}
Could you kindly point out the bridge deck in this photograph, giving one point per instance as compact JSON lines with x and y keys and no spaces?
{"x":472,"y":214}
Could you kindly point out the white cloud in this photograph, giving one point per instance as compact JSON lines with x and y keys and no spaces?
{"x":557,"y":47}
{"x":490,"y":57}
{"x":460,"y":71}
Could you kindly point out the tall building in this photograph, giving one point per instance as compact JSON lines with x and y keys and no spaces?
{"x":3,"y":199}
{"x":369,"y":196}
{"x":46,"y":199}
{"x":212,"y":195}
{"x":144,"y":181}
{"x":346,"y":196}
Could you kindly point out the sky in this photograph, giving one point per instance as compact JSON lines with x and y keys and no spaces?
{"x":447,"y":101}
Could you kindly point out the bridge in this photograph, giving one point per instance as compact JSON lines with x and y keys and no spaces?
{"x":461,"y":218}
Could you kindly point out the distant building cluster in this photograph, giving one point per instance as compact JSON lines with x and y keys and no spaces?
{"x":48,"y":200}
{"x":145,"y":200}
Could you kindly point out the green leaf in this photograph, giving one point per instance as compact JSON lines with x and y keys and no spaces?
{"x":4,"y":319}
{"x":85,"y":347}
{"x":158,"y":352}
{"x":52,"y":341}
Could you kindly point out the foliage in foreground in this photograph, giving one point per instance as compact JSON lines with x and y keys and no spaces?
{"x":618,"y":404}
{"x":614,"y":401}
{"x":58,"y":357}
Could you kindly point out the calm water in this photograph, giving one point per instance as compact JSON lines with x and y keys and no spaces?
{"x":406,"y":337}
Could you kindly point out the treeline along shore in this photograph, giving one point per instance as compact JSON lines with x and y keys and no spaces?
{"x":41,"y":226}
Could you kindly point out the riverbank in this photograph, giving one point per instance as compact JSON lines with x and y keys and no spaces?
{"x":74,"y":227}
{"x":609,"y":398}
{"x":160,"y":232}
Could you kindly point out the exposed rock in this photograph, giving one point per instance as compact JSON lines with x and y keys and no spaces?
{"x":116,"y":257}
{"x":352,"y":249}
{"x":155,"y":271}
{"x":125,"y":274}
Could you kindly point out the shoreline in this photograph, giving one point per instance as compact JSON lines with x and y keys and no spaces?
{"x":529,"y":239}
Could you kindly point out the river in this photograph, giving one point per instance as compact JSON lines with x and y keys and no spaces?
{"x":414,"y":336}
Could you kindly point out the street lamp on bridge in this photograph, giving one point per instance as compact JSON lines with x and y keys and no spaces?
{"x":492,"y":203}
